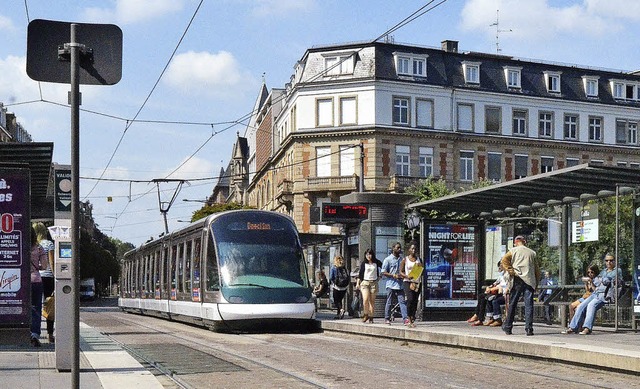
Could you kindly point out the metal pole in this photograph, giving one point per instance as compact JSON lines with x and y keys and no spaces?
{"x":615,"y":280}
{"x":75,"y":204}
{"x":361,"y":181}
{"x":564,"y":255}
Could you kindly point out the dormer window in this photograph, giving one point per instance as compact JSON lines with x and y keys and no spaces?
{"x":590,"y":85}
{"x":624,"y":90}
{"x":338,"y":64}
{"x":471,"y":72}
{"x":512,"y":75}
{"x":552,"y":81}
{"x":411,"y":65}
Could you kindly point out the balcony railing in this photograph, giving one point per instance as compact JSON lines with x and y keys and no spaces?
{"x":284,"y":188}
{"x":349,"y":183}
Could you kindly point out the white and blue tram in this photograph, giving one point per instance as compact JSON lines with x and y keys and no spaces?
{"x":234,"y":270}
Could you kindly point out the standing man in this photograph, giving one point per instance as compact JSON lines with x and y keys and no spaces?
{"x":545,"y":294}
{"x":520,"y":263}
{"x":391,"y":270}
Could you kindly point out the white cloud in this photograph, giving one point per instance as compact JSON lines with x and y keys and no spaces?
{"x":6,"y":23}
{"x":204,"y":73}
{"x":539,"y":19}
{"x":264,"y":8}
{"x":133,"y":11}
{"x":623,"y":9}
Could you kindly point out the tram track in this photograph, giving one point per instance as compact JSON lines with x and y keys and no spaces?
{"x":272,"y":345}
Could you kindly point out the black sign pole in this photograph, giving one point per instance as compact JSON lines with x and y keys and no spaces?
{"x":75,"y":203}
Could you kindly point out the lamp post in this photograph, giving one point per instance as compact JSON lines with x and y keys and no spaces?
{"x":413,"y":222}
{"x":196,"y":201}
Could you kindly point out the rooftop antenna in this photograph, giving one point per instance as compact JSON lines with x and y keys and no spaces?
{"x":498,"y":31}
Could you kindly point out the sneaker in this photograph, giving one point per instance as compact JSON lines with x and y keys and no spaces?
{"x":568,"y":331}
{"x":341,"y":313}
{"x":496,"y":323}
{"x":407,"y":322}
{"x":35,"y":342}
{"x":585,"y":331}
{"x":387,"y":322}
{"x":52,"y":339}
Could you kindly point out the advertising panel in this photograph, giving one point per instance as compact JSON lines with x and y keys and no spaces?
{"x":636,"y":256}
{"x":15,"y":281}
{"x":451,"y":266}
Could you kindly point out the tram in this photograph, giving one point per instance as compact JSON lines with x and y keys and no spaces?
{"x":240,"y":270}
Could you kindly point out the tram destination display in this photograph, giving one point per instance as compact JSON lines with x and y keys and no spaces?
{"x":344,"y":213}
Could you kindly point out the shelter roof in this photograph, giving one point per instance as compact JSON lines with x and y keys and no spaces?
{"x":563,"y":186}
{"x":36,"y":156}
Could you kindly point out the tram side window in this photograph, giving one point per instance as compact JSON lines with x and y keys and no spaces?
{"x":181,"y":267}
{"x":145,"y":274}
{"x":213,"y":279}
{"x":156,"y":273}
{"x":187,"y":266}
{"x":174,"y":254}
{"x":165,"y":270}
{"x":196,"y":263}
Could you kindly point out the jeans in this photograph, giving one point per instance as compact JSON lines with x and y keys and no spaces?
{"x":338,"y":296}
{"x":36,"y":309}
{"x":586,"y":312}
{"x":520,"y":289}
{"x":494,"y":307}
{"x":399,"y":295}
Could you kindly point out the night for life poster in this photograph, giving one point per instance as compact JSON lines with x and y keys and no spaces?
{"x":451,"y":266}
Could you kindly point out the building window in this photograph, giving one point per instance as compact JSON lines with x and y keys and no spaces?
{"x":545,"y":124}
{"x":465,"y":117}
{"x":324,"y":112}
{"x":598,"y":162}
{"x":546,"y":164}
{"x":425,"y":161}
{"x":347,"y":160}
{"x":617,"y":89}
{"x":471,"y":72}
{"x":348,"y":107}
{"x":402,"y":160}
{"x":424,"y":113}
{"x":552,"y":81}
{"x":571,"y":126}
{"x":590,"y":86}
{"x":519,"y":122}
{"x":323,"y":161}
{"x":466,"y":165}
{"x":634,"y":165}
{"x":494,"y":167}
{"x":595,"y":129}
{"x":522,"y":166}
{"x":401,"y":111}
{"x":626,"y":132}
{"x":493,"y":120}
{"x":572,"y":162}
{"x":621,"y":164}
{"x":338,"y":65}
{"x":411,"y":65}
{"x":512,"y":75}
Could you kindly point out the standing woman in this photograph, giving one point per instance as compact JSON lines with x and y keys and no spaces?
{"x":48,"y":283}
{"x":38,"y":261}
{"x":340,"y":280}
{"x":411,"y":287}
{"x":368,"y":283}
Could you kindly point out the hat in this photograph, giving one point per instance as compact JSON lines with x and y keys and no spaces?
{"x":519,"y":237}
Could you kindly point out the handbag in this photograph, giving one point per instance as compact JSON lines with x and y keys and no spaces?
{"x":49,"y":308}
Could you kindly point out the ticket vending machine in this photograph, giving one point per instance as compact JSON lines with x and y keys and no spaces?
{"x":64,"y":297}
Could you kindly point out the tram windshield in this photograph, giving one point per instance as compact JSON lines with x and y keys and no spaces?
{"x":258,"y":250}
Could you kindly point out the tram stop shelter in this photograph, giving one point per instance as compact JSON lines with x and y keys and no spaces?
{"x":562,"y":188}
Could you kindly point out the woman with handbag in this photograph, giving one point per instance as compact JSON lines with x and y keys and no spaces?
{"x":38,"y":262}
{"x":589,"y":287}
{"x":367,"y":283}
{"x":48,"y":283}
{"x":411,"y":284}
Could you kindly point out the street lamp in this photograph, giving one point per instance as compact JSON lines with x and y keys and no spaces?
{"x":413,"y":222}
{"x":196,"y":201}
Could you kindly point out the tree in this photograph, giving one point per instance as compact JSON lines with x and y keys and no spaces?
{"x":216,"y":207}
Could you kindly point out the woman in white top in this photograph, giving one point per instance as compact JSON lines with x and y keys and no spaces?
{"x":368,"y":283}
{"x":411,"y":286}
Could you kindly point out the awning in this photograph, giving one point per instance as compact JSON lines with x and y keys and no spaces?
{"x":563,"y":186}
{"x":36,"y":156}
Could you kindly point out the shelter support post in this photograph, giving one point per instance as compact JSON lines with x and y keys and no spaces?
{"x":564,"y":257}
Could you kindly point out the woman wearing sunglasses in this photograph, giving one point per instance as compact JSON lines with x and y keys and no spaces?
{"x":606,"y":291}
{"x":592,"y":272}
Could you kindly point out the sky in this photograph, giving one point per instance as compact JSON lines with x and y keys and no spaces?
{"x":192,"y":69}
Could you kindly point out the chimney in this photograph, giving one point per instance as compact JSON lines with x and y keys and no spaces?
{"x":450,"y":46}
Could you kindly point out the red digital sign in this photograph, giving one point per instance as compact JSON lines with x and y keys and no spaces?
{"x":344,"y":213}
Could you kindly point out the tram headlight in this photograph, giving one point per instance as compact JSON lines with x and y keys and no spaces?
{"x":236,"y":300}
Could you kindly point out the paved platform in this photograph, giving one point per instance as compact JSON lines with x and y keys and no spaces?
{"x":104,"y":364}
{"x":604,"y":348}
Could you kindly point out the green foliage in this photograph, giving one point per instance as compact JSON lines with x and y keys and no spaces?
{"x":216,"y":207}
